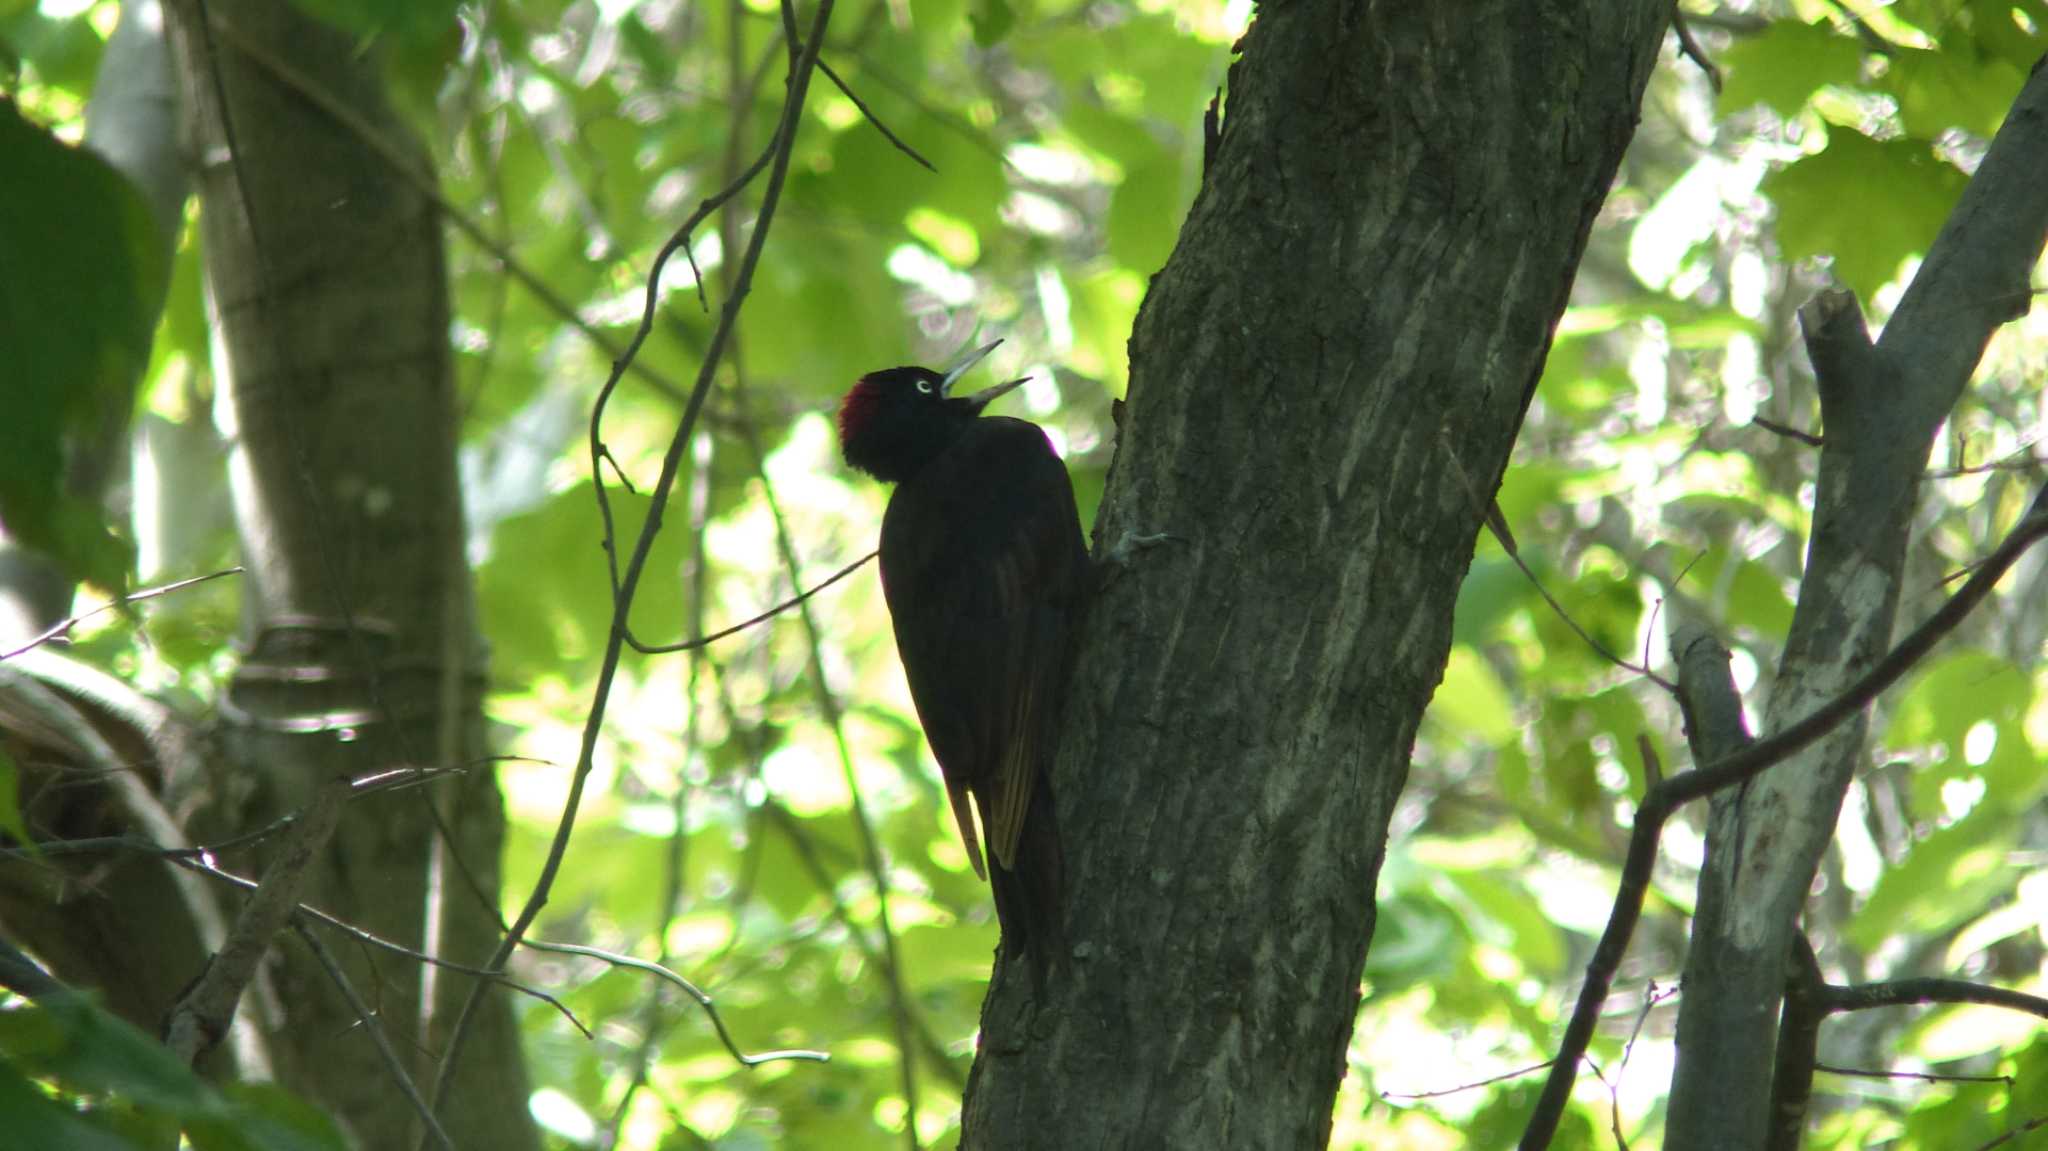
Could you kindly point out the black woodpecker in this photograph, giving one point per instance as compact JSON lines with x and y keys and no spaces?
{"x":986,"y":574}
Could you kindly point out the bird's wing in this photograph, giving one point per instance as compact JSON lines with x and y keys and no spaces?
{"x":984,"y":569}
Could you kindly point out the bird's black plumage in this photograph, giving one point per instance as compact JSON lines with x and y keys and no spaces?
{"x":985,"y":571}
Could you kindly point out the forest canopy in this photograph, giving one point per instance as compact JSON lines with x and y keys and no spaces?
{"x":763,"y":815}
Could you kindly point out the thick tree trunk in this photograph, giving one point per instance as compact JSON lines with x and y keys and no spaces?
{"x":1326,"y":380}
{"x":325,"y":269}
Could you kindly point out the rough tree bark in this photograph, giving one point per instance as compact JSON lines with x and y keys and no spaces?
{"x":1326,"y":379}
{"x":325,"y":271}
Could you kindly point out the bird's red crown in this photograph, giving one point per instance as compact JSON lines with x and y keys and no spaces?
{"x":858,"y":406}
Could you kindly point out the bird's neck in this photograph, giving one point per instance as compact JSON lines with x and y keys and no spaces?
{"x":899,"y":452}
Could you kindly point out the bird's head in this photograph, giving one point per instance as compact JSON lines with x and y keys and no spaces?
{"x":895,"y":421}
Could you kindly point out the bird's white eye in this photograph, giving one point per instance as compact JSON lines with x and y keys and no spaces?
{"x":925,"y":387}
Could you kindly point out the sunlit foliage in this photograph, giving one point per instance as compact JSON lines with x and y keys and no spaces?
{"x":724,"y":836}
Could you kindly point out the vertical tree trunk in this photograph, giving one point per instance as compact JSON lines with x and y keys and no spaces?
{"x":325,"y":269}
{"x":1326,"y":379}
{"x":1882,"y":404}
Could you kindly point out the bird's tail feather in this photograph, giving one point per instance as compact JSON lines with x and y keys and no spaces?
{"x":1030,"y":898}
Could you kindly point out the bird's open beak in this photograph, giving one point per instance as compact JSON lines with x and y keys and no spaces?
{"x":961,"y":366}
{"x":981,"y":398}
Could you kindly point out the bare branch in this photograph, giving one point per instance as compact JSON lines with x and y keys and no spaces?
{"x":629,"y":580}
{"x":1910,"y":992}
{"x":62,"y":628}
{"x":1490,"y":514}
{"x":425,"y":186}
{"x":1797,"y":1051}
{"x":24,"y":977}
{"x":869,"y":113}
{"x":375,"y":1030}
{"x":202,"y":1014}
{"x":1691,"y":50}
{"x":203,"y":867}
{"x":1667,"y":797}
{"x":725,"y":633}
{"x":2031,"y":1125}
{"x":1503,"y":1077}
{"x":1922,"y":1076}
{"x":828,"y":703}
{"x":675,"y":865}
{"x":695,"y":992}
{"x":1788,"y":431}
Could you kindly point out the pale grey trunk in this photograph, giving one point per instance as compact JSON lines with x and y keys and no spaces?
{"x":1881,"y":407}
{"x":325,"y":273}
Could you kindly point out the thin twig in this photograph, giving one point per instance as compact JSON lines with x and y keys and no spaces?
{"x":203,"y":867}
{"x":695,"y":992}
{"x":725,"y":633}
{"x":1922,"y":1076}
{"x":1665,"y":798}
{"x":1691,"y":50}
{"x":1871,"y":37}
{"x":868,"y":112}
{"x":203,"y":1012}
{"x":808,"y":854}
{"x":629,"y":581}
{"x":2031,"y":1125}
{"x":1788,"y":431}
{"x":1503,"y":1077}
{"x":1911,"y":992}
{"x":375,"y":1030}
{"x":774,"y":152}
{"x":828,"y":703}
{"x":372,"y":784}
{"x":675,"y":866}
{"x":63,"y":628}
{"x":424,"y":186}
{"x":2020,"y":459}
{"x":1489,"y":514}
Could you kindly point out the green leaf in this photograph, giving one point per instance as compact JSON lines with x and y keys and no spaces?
{"x":90,"y":1051}
{"x":1498,"y":1125}
{"x":10,"y":802}
{"x":1145,"y":213}
{"x":1997,"y":29}
{"x":544,"y":595}
{"x":65,"y":53}
{"x":1869,"y":204}
{"x":1499,"y":911}
{"x":1414,"y":938}
{"x":1942,"y":881}
{"x":1784,"y":66}
{"x":1952,"y":88}
{"x":266,"y":1118}
{"x":1750,"y":596}
{"x":404,"y":20}
{"x":1493,"y":592}
{"x":1945,"y":701}
{"x":992,"y":21}
{"x":79,"y":277}
{"x":1472,"y":701}
{"x":33,"y":1119}
{"x":937,"y":955}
